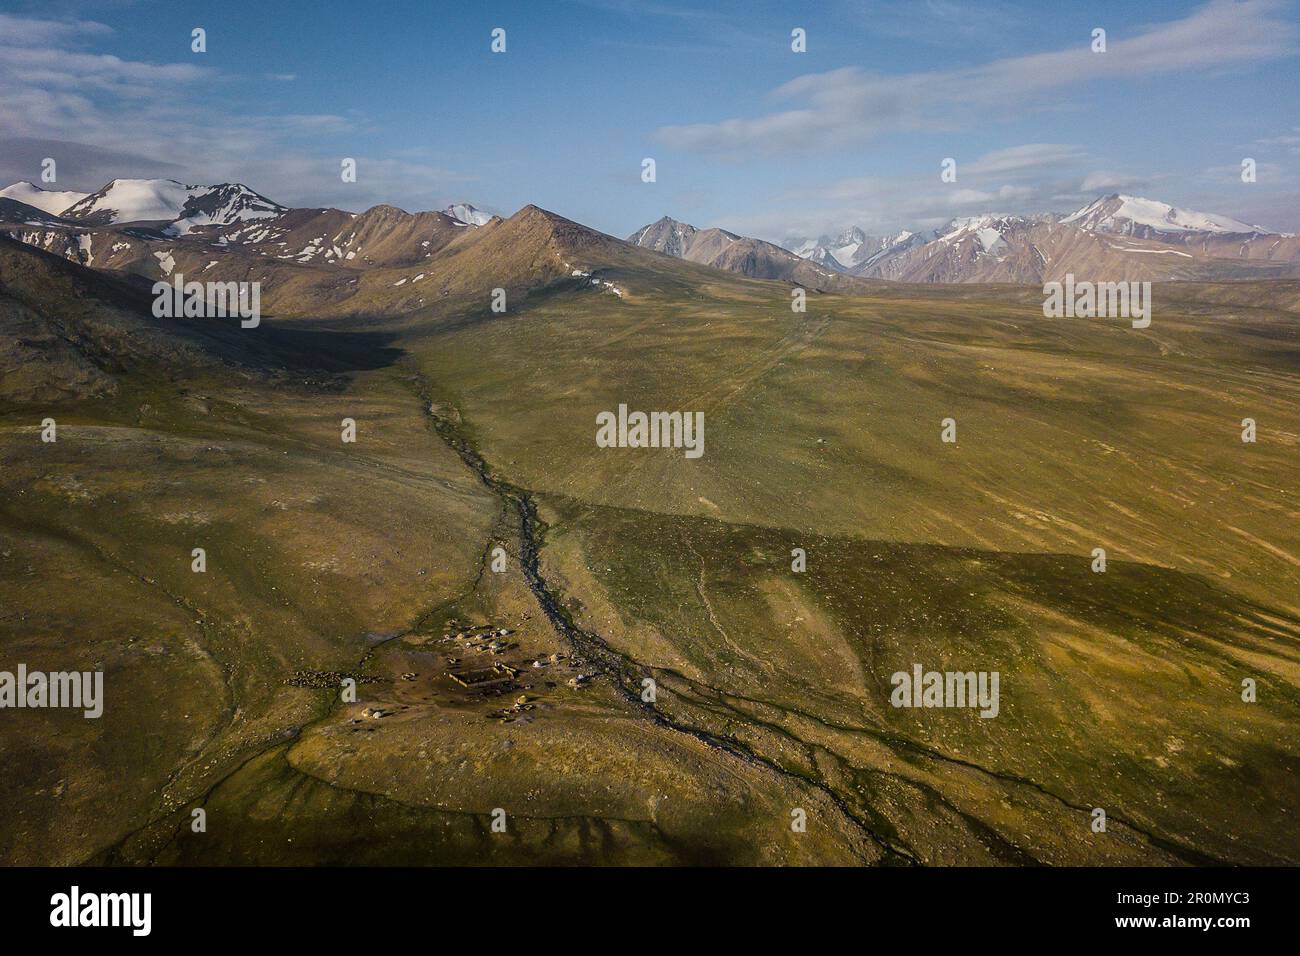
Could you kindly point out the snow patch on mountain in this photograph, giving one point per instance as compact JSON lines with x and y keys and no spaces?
{"x":987,"y":230}
{"x":223,"y":205}
{"x":1133,"y":215}
{"x":165,"y":200}
{"x":46,"y":200}
{"x":845,"y":247}
{"x":840,"y":252}
{"x":896,"y":245}
{"x":135,"y":200}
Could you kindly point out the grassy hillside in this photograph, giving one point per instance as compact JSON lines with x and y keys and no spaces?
{"x":822,"y":432}
{"x":374,"y":561}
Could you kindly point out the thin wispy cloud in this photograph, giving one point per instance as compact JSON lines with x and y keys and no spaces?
{"x":1019,"y":159}
{"x":30,"y":31}
{"x":1103,"y":181}
{"x":942,"y":23}
{"x":1289,"y":142}
{"x":850,"y":104}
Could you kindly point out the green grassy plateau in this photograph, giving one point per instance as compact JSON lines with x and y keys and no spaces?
{"x":1119,"y":690}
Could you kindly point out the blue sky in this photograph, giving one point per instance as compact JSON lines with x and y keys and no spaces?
{"x":746,"y":134}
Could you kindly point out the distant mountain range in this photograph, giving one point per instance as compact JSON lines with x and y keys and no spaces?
{"x":1115,"y":236}
{"x":384,"y":260}
{"x":854,"y":248}
{"x":726,"y":250}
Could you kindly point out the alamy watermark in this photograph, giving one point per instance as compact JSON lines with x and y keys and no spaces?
{"x":208,"y":300}
{"x":922,"y":688}
{"x":651,"y":430}
{"x":74,"y":908}
{"x":1089,"y":300}
{"x":78,"y":690}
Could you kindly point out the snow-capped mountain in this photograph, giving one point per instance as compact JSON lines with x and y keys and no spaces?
{"x":1114,"y":236}
{"x":182,"y":207}
{"x":47,"y":200}
{"x":970,"y":248}
{"x":854,"y":251}
{"x":847,"y":246}
{"x":840,"y":252}
{"x":823,"y":257}
{"x":888,"y":247}
{"x":133,"y":200}
{"x":990,"y":246}
{"x":470,"y":215}
{"x":846,"y":250}
{"x":1150,"y":219}
{"x":222,"y":205}
{"x":128,"y":221}
{"x":987,"y":231}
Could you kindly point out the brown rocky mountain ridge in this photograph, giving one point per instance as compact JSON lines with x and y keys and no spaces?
{"x":388,"y":261}
{"x":382,"y":261}
{"x":734,"y":253}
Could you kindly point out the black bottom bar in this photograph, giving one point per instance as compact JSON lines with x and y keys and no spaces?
{"x":514,"y":906}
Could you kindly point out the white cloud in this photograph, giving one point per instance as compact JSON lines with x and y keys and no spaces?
{"x":849,"y":104}
{"x":154,"y":117}
{"x":26,"y":31}
{"x":1289,"y":142}
{"x":1102,"y":181}
{"x":1019,"y":159}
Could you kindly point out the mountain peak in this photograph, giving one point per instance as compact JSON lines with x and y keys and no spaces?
{"x":1142,"y":218}
{"x":666,"y":235}
{"x":385,"y":209}
{"x":533,"y":213}
{"x":538,"y":221}
{"x":166,"y":200}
